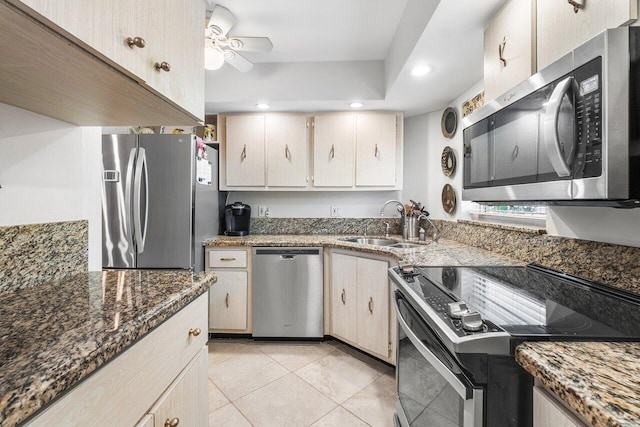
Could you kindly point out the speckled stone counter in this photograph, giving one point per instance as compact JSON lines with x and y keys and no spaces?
{"x":445,"y":252}
{"x":600,"y":381}
{"x":54,"y":335}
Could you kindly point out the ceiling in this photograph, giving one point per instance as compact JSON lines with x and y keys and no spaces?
{"x":330,"y":53}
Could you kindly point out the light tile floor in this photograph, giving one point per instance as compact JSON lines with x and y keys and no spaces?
{"x":297,"y":384}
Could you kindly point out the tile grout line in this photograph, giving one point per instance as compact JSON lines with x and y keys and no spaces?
{"x":355,"y":415}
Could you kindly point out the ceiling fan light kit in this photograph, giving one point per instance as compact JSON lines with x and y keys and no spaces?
{"x":220,"y":44}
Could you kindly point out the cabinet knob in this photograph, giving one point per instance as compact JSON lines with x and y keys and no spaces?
{"x":164,"y":66}
{"x":136,"y":42}
{"x":172,"y":422}
{"x":194,"y":332}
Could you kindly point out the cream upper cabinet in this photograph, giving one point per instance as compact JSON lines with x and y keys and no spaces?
{"x":176,"y":63}
{"x":245,"y":151}
{"x":376,"y":150}
{"x":333,"y":150}
{"x":133,"y":36}
{"x":287,"y":140}
{"x":561,"y":28}
{"x":510,"y":47}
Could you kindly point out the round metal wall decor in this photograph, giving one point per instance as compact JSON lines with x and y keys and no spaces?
{"x":449,"y":122}
{"x":448,"y":161}
{"x":448,"y":199}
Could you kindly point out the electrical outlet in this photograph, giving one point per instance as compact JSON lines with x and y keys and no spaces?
{"x":336,"y":211}
{"x":263,"y":211}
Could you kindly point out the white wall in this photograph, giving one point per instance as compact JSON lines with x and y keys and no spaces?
{"x":423,"y":179}
{"x":363,"y":204}
{"x":49,"y":172}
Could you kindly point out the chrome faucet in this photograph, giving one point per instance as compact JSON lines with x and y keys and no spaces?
{"x":400,"y":206}
{"x":436,"y":231}
{"x":387,"y":229}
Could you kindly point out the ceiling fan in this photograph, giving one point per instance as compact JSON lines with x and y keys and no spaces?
{"x":220,"y":47}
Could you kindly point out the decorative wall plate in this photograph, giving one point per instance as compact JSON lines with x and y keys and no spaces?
{"x":448,"y":161}
{"x":449,"y":122}
{"x":473,"y":104}
{"x":448,"y":199}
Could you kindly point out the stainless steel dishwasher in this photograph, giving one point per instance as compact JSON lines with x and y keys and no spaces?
{"x":287,"y":292}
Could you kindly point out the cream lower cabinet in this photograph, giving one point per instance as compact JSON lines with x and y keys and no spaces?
{"x":561,"y":29}
{"x":360,"y":311}
{"x":548,"y":411}
{"x":164,"y":375}
{"x":184,"y":401}
{"x":230,"y":296}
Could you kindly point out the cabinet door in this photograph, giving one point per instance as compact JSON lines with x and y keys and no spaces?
{"x":561,"y":30}
{"x":343,"y":297}
{"x":287,"y":150}
{"x":375,"y":150}
{"x":245,"y":151}
{"x":228,"y":301}
{"x":333,"y":150}
{"x":187,"y":398}
{"x":510,"y":35}
{"x":548,"y":412}
{"x":373,"y":305}
{"x":178,"y":41}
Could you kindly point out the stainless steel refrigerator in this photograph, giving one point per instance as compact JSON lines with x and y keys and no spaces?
{"x":159,"y":201}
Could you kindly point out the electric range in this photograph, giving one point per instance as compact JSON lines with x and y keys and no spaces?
{"x":458,"y":328}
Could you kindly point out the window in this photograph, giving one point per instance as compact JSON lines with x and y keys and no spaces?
{"x":524,"y":215}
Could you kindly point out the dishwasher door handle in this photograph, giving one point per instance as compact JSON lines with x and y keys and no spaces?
{"x":287,"y":257}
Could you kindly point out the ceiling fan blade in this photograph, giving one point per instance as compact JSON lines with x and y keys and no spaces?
{"x":222,"y":20}
{"x":238,"y":61}
{"x":250,"y":44}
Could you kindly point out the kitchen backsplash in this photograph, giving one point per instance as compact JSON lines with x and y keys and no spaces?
{"x":613,"y":265}
{"x":36,"y":253}
{"x":374,"y":226}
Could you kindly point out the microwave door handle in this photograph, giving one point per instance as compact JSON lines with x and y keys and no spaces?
{"x":462,"y":390}
{"x":551,"y":138}
{"x":140,"y":234}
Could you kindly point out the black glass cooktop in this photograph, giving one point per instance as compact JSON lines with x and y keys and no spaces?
{"x":532,"y":301}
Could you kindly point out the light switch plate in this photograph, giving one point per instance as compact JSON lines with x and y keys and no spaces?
{"x":263,"y":211}
{"x":336,"y":211}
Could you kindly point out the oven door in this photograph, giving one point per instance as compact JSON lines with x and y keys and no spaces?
{"x":432,"y":389}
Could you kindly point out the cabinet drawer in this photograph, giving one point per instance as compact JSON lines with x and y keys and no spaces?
{"x":228,"y":258}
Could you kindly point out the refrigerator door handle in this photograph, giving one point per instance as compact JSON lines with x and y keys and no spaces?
{"x":140,"y":233}
{"x":128,"y":196}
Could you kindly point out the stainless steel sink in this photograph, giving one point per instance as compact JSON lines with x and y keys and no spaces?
{"x":369,"y":241}
{"x":405,"y":245}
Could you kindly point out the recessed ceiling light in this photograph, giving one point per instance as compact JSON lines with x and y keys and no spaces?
{"x":420,"y":70}
{"x":356,"y":104}
{"x":262,"y":106}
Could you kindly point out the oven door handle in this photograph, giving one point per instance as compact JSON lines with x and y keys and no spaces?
{"x":463,"y":391}
{"x":550,"y":137}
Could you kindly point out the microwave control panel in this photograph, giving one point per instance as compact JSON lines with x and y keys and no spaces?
{"x":588,"y":110}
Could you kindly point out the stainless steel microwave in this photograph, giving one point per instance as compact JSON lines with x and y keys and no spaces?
{"x":569,"y":134}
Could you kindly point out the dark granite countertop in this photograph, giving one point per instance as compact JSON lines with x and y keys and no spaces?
{"x":56,"y":334}
{"x":599,"y":380}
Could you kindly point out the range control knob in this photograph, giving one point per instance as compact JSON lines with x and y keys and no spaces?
{"x":457,"y":309}
{"x":472,"y":322}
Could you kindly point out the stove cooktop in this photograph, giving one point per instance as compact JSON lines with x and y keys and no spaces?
{"x":529,"y":302}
